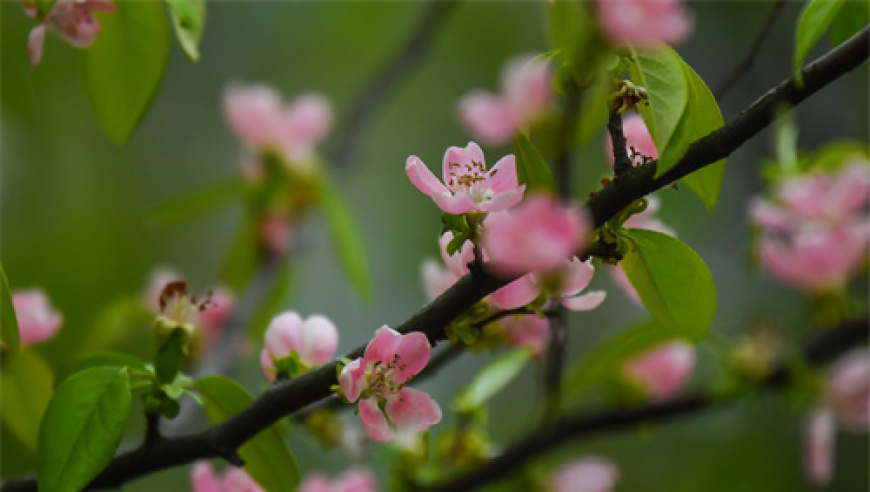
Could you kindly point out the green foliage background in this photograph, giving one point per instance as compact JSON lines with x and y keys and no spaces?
{"x":75,"y":207}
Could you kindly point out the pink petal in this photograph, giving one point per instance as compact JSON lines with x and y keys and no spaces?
{"x":849,"y":390}
{"x":617,"y":274}
{"x":464,"y":157}
{"x":203,"y":479}
{"x":304,"y":123}
{"x":373,"y":420}
{"x":527,"y":86}
{"x":436,"y":279}
{"x":662,"y":370}
{"x":488,"y":117}
{"x":413,"y":354}
{"x":319,"y":340}
{"x":454,"y":204}
{"x":576,"y":276}
{"x":819,"y":446}
{"x":253,"y":112}
{"x":592,"y":474}
{"x":504,"y":174}
{"x":412,"y":409}
{"x":516,"y":294}
{"x":237,"y":480}
{"x":284,"y":334}
{"x":458,"y":262}
{"x":383,"y":346}
{"x":352,"y":380}
{"x":38,"y":321}
{"x":422,"y":177}
{"x":315,"y":482}
{"x":504,"y":200}
{"x":527,"y":331}
{"x":585,"y":302}
{"x":34,"y":44}
{"x":355,"y":480}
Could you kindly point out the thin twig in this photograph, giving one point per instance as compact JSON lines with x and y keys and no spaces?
{"x":621,"y":161}
{"x":749,"y":58}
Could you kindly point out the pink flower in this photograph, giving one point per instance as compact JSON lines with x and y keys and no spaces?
{"x":258,"y":116}
{"x":538,"y":235}
{"x":846,"y":402}
{"x":353,"y":480}
{"x":644,"y":23}
{"x":470,"y":187}
{"x":314,"y":340}
{"x":663,"y":370}
{"x":526,"y":94}
{"x":438,"y":278}
{"x":592,"y":474}
{"x":378,"y":381}
{"x":203,"y":479}
{"x":527,"y":331}
{"x":637,"y":137}
{"x":571,"y":279}
{"x":72,"y":19}
{"x":38,"y":321}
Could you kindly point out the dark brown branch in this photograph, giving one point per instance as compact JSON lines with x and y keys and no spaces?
{"x":386,"y":80}
{"x":621,"y":161}
{"x":828,"y":345}
{"x":749,"y":58}
{"x":286,"y":397}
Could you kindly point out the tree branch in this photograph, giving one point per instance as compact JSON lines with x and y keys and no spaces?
{"x":823,"y":348}
{"x":287,"y":397}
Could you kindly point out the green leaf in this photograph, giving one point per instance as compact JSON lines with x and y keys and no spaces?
{"x":9,"y":337}
{"x":660,"y":72}
{"x":27,"y":386}
{"x":492,"y":378}
{"x":124,"y":66}
{"x":602,"y":362}
{"x":124,"y":326}
{"x":852,"y":18}
{"x":532,"y":169}
{"x":701,"y":117}
{"x":198,"y":202}
{"x":672,"y":281}
{"x":595,"y":111}
{"x":188,"y":19}
{"x":45,"y":6}
{"x":347,"y":241}
{"x":832,"y":156}
{"x":82,"y":428}
{"x":170,"y":356}
{"x":266,"y":456}
{"x":814,"y":20}
{"x":113,"y":359}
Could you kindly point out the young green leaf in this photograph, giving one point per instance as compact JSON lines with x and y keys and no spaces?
{"x":27,"y":386}
{"x":170,"y":356}
{"x":492,"y":378}
{"x":266,"y":456}
{"x":188,"y":19}
{"x":113,"y":359}
{"x":602,"y":362}
{"x":124,"y":66}
{"x":9,"y":336}
{"x":672,"y":281}
{"x":814,"y":20}
{"x":198,"y":202}
{"x":851,"y":19}
{"x":82,"y":428}
{"x":124,"y":326}
{"x":660,"y":73}
{"x":347,"y":241}
{"x":532,"y":169}
{"x":45,"y":6}
{"x":594,"y":111}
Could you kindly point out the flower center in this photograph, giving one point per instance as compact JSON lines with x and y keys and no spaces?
{"x":472,"y":180}
{"x":382,"y":378}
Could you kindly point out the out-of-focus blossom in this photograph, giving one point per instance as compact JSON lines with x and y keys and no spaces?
{"x":526,"y":331}
{"x":816,"y":230}
{"x":38,"y":321}
{"x":314,"y":340}
{"x":644,"y":23}
{"x":591,"y":474}
{"x":538,"y":235}
{"x":258,"y":116}
{"x":663,"y":370}
{"x":204,"y":479}
{"x":637,"y":137}
{"x":438,"y":278}
{"x":571,"y":279}
{"x":469,"y":186}
{"x":846,"y":402}
{"x":73,"y":20}
{"x":353,"y":480}
{"x":525,"y":94}
{"x":388,"y":410}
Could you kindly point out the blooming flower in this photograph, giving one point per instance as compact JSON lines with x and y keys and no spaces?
{"x":258,"y":116}
{"x":203,"y":479}
{"x":528,"y":331}
{"x":37,"y":320}
{"x":663,"y":370}
{"x":538,"y":235}
{"x":816,"y":230}
{"x":387,"y":408}
{"x":72,"y":19}
{"x":314,"y":340}
{"x":573,"y":276}
{"x":469,"y":186}
{"x":637,"y":137}
{"x":845,"y":401}
{"x":353,"y":480}
{"x":591,"y":474}
{"x":525,"y":94}
{"x":644,"y":23}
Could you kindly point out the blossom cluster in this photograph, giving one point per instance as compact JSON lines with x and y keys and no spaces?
{"x":73,"y":20}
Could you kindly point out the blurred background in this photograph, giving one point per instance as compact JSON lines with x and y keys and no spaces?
{"x":76,"y":208}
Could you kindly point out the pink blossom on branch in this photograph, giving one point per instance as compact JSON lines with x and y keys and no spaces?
{"x":570,"y":280}
{"x":353,"y":480}
{"x":73,"y":20}
{"x":538,"y":235}
{"x":526,"y":93}
{"x":637,"y":137}
{"x":314,"y":340}
{"x":644,"y":23}
{"x":388,"y":409}
{"x":663,"y":370}
{"x":469,"y":186}
{"x":38,"y":321}
{"x":204,"y":479}
{"x":590,"y":474}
